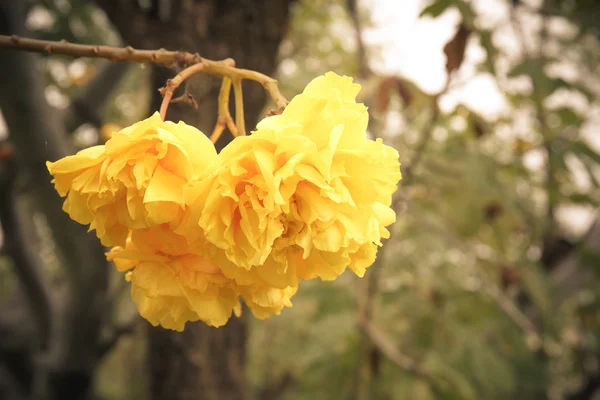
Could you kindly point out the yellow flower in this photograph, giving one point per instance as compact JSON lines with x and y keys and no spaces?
{"x":135,"y":180}
{"x":265,"y":301}
{"x":327,"y":102}
{"x":172,"y":283}
{"x":173,"y":288}
{"x":306,"y":195}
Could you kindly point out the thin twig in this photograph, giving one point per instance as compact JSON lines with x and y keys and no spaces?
{"x":239,"y":107}
{"x":224,"y":117}
{"x":389,"y":350}
{"x":112,"y":53}
{"x":363,"y":65}
{"x":514,"y":313}
{"x":440,"y":385}
{"x":193,"y":62}
{"x":224,"y":106}
{"x":426,"y":133}
{"x":226,"y":69}
{"x":188,"y":98}
{"x":174,"y":83}
{"x":218,"y":131}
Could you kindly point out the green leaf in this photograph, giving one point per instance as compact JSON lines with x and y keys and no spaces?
{"x":581,"y":148}
{"x":568,"y":116}
{"x":527,"y":67}
{"x":537,"y":286}
{"x":437,"y":8}
{"x":466,"y":12}
{"x":486,"y":42}
{"x":582,"y":199}
{"x":543,"y":83}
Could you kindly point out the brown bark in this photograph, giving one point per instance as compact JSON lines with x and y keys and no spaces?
{"x":66,"y":368}
{"x":203,"y":362}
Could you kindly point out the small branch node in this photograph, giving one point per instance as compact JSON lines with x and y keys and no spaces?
{"x":186,"y":98}
{"x":277,"y":111}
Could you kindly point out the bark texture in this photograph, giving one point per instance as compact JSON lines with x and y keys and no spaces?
{"x":64,"y":354}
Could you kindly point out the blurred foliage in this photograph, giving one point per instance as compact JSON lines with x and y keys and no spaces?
{"x":463,"y":289}
{"x":80,"y":21}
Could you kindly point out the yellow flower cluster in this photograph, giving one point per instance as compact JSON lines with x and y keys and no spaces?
{"x":305,"y":196}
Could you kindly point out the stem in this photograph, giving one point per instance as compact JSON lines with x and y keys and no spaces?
{"x":515,"y":314}
{"x":404,"y":362}
{"x":273,"y":90}
{"x":224,"y":118}
{"x":218,"y":131}
{"x":225,"y":69}
{"x":112,"y":53}
{"x":174,"y":83}
{"x":239,"y":107}
{"x":194,"y":63}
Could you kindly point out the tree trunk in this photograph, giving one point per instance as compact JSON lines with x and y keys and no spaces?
{"x":203,"y":362}
{"x":64,"y":369}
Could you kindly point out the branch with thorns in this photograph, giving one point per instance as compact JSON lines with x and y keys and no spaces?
{"x":192,"y":63}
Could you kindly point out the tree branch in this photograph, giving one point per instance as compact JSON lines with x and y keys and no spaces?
{"x":116,"y":333}
{"x":404,"y":362}
{"x":426,"y":133}
{"x":194,"y":63}
{"x":96,"y":51}
{"x":389,"y":350}
{"x":15,"y":242}
{"x":515,"y":314}
{"x":363,"y":65}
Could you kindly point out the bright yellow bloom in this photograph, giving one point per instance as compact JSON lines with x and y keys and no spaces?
{"x":171,"y":288}
{"x":135,"y":180}
{"x":306,"y":194}
{"x":265,"y":301}
{"x":172,"y":285}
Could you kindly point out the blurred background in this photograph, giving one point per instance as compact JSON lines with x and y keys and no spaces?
{"x":489,"y":285}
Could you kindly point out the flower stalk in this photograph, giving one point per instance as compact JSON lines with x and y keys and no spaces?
{"x":224,"y":117}
{"x":193,"y":63}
